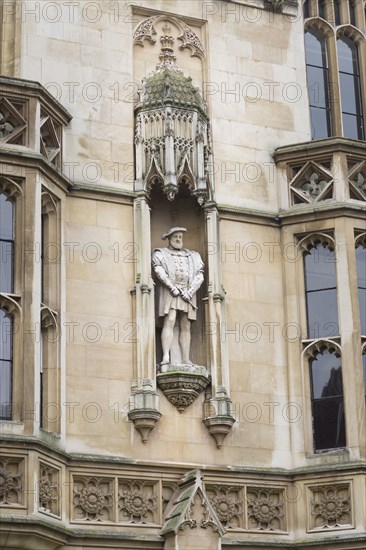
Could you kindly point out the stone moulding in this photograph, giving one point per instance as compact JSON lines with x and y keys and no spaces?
{"x":182,"y":384}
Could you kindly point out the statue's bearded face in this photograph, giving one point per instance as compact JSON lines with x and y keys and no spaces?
{"x":176,"y":240}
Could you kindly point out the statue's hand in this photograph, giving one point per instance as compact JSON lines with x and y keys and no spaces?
{"x":174,"y":291}
{"x":185,"y":296}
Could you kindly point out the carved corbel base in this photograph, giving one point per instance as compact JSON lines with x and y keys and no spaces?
{"x":219,"y":427}
{"x":144,"y":420}
{"x":182,"y":384}
{"x":144,"y":408}
{"x":218,"y":416}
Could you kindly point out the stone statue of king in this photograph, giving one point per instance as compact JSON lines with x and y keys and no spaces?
{"x":180,"y":274}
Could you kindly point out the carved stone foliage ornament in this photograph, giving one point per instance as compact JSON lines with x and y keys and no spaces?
{"x":172,"y":131}
{"x":312,"y":183}
{"x":11,"y":481}
{"x":274,"y":5}
{"x":265,"y":509}
{"x":228,"y":504}
{"x":93,"y":499}
{"x":182,"y":385}
{"x":49,"y":490}
{"x":330,"y":506}
{"x":138,"y":501}
{"x":188,"y":38}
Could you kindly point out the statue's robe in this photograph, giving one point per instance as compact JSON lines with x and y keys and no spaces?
{"x":177,"y":268}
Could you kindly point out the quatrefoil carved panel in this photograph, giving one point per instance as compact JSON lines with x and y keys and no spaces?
{"x":312,"y":183}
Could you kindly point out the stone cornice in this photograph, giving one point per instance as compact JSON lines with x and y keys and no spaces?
{"x":319,"y":148}
{"x":339,"y":462}
{"x":26,"y":158}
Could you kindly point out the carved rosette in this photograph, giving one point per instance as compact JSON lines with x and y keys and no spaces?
{"x":181,"y":384}
{"x":137,"y":501}
{"x":48,"y":491}
{"x":227,"y":502}
{"x":93,"y":499}
{"x":265,"y":509}
{"x":330,"y":506}
{"x":11,"y":481}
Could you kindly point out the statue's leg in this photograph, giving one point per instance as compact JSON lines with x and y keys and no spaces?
{"x":185,"y":338}
{"x":167,"y":334}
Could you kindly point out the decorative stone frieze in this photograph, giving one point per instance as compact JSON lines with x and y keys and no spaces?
{"x":11,"y":481}
{"x":137,"y":501}
{"x":332,"y":169}
{"x":49,"y":487}
{"x":182,"y":384}
{"x":265,"y":509}
{"x":93,"y":499}
{"x":228,"y":502}
{"x":330,"y":506}
{"x":31,"y":117}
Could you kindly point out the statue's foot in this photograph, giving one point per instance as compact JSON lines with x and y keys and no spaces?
{"x":188,"y":363}
{"x":165,"y":361}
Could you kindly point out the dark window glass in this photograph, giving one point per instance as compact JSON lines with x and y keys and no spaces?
{"x":6,"y":243}
{"x":349,"y":77}
{"x":306,"y":10}
{"x":352,"y":13}
{"x":327,"y":402}
{"x":337,"y":12}
{"x":361,"y":283}
{"x":321,"y":292}
{"x":318,"y":85}
{"x":320,"y":123}
{"x":6,"y":348}
{"x":321,"y":8}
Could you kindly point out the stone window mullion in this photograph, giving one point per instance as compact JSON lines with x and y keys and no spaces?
{"x":337,"y":126}
{"x":354,"y":399}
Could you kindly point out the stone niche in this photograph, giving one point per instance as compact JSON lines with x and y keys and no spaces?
{"x":174,"y":188}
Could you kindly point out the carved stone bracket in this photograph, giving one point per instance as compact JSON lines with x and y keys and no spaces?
{"x":182,"y":384}
{"x":218,"y":416}
{"x":143,"y":410}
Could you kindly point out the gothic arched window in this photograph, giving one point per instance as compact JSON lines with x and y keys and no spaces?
{"x":321,"y":292}
{"x":6,"y":243}
{"x":318,"y":84}
{"x":349,"y":80}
